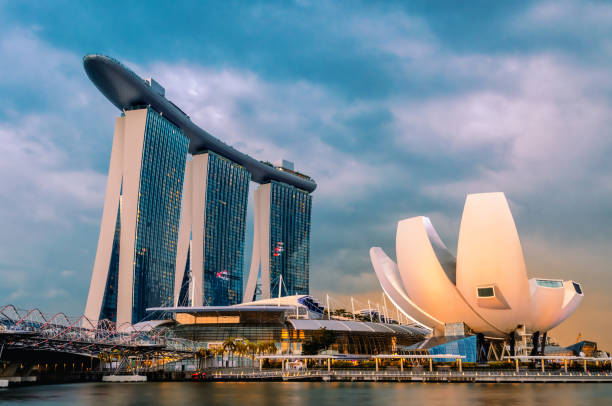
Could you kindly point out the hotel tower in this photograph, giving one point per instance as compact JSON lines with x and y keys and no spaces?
{"x":174,"y":218}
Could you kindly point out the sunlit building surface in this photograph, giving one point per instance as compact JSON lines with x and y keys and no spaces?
{"x":486,"y":287}
{"x":174,"y":219}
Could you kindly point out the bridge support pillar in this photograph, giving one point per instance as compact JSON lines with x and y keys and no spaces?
{"x":516,"y":361}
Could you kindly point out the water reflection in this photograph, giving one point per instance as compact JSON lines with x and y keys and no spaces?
{"x":307,"y":394}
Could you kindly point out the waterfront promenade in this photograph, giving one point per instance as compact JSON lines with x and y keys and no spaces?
{"x":493,"y":376}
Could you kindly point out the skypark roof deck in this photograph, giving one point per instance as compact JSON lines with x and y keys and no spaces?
{"x":125,"y":89}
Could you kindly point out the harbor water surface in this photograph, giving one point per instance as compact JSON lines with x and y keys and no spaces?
{"x":308,"y":394}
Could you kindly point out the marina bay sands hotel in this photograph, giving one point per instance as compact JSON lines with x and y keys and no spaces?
{"x":174,"y":219}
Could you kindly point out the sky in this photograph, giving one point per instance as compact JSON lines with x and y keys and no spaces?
{"x":396,"y":109}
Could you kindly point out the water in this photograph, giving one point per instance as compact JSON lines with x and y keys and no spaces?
{"x":308,"y":394}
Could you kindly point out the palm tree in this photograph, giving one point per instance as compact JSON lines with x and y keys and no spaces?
{"x":202,"y":353}
{"x":241,"y":350}
{"x":271,"y":348}
{"x":218,"y":351}
{"x":252,"y":349}
{"x":229,"y":345}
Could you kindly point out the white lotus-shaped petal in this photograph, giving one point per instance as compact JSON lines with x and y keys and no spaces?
{"x":390,"y":280}
{"x":489,"y":254}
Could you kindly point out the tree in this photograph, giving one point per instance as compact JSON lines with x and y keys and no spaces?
{"x":338,"y":312}
{"x":203,"y":354}
{"x":229,"y":345}
{"x":321,"y":339}
{"x":241,"y":350}
{"x":252,"y":349}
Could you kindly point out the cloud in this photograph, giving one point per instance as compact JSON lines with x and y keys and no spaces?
{"x":394,"y":111}
{"x":271,"y":120}
{"x":52,"y":188}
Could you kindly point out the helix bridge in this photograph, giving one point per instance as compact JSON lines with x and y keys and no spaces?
{"x":30,"y":332}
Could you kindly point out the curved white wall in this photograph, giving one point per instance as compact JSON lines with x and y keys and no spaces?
{"x":391,"y":283}
{"x":426,"y":282}
{"x":571,"y":300}
{"x":489,"y":253}
{"x":546,"y":306}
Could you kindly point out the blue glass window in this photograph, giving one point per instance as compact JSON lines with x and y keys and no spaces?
{"x":109,"y":303}
{"x":290,"y":211}
{"x":227,"y":195}
{"x":161,"y":186}
{"x":547,"y":283}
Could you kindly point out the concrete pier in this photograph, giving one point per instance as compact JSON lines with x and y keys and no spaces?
{"x":124,"y":378}
{"x":533,"y":376}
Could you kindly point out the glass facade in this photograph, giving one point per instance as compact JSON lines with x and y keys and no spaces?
{"x":161,"y":185}
{"x":290,"y":211}
{"x":109,"y":303}
{"x":547,"y":283}
{"x":227,"y":194}
{"x":462,"y":346}
{"x":184,"y":299}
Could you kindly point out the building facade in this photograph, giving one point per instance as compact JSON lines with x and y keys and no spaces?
{"x":281,"y":243}
{"x":173,"y":228}
{"x":212,"y":232}
{"x":136,"y":251}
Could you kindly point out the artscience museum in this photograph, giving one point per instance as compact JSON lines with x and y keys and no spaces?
{"x":486,"y":287}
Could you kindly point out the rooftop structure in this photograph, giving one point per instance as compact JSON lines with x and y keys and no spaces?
{"x":126,"y":90}
{"x":287,"y":322}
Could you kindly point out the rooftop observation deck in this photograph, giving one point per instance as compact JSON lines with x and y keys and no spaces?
{"x":125,"y":89}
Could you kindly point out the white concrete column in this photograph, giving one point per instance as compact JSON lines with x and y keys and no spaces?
{"x":182,"y":246}
{"x":261,"y":244}
{"x":135,"y":124}
{"x":198,"y":218}
{"x":107,"y":226}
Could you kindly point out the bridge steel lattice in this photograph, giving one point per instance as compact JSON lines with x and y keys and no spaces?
{"x":120,"y":347}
